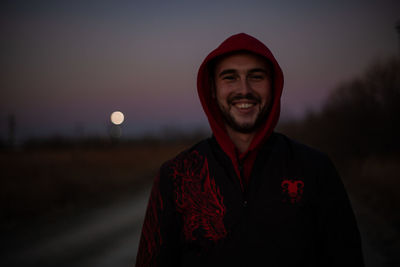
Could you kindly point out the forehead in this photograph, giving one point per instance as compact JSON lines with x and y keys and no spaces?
{"x":241,"y":61}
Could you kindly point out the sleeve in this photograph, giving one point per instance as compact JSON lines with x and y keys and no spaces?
{"x":159,"y":241}
{"x":338,"y":233}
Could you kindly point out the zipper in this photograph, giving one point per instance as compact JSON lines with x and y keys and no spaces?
{"x":242,"y":181}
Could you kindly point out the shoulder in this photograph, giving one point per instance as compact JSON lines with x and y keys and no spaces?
{"x":300,"y":151}
{"x":189,"y":156}
{"x":308,"y":161}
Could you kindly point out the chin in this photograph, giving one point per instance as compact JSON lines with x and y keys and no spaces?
{"x":245,"y":123}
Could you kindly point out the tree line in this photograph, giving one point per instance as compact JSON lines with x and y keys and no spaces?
{"x":361,"y":117}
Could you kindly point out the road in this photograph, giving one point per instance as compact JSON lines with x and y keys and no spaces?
{"x":109,"y":238}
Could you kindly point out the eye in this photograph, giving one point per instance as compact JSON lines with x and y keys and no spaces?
{"x":228,"y":78}
{"x":257,"y":77}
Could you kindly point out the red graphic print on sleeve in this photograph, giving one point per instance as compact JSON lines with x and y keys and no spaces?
{"x":151,"y":240}
{"x":198,"y":198}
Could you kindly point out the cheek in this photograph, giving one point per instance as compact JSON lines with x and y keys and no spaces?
{"x":265,"y":92}
{"x":219,"y":97}
{"x":222,"y":93}
{"x":222,"y":101}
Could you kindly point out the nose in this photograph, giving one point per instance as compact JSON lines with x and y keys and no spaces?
{"x":244,"y":86}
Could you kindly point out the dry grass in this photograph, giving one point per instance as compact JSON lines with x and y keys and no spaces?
{"x":376,"y":182}
{"x":43,"y":183}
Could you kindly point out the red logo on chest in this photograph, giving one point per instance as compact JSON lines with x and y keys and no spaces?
{"x":292,"y":190}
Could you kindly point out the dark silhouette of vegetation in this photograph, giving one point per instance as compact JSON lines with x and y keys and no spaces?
{"x":58,"y":142}
{"x":360,"y":118}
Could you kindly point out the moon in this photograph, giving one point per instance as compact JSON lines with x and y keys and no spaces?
{"x":117,"y":117}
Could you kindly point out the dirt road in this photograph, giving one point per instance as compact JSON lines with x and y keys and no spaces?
{"x":104,"y":238}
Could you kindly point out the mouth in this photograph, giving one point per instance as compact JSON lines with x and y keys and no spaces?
{"x":244,"y":106}
{"x":244,"y":103}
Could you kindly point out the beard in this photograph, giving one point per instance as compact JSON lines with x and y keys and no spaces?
{"x":244,"y":127}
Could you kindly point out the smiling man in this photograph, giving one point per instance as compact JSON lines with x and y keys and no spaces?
{"x":247,"y":196}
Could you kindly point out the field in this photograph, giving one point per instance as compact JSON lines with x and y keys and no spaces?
{"x":376,"y":182}
{"x":41,"y":185}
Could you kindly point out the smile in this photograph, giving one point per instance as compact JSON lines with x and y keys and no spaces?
{"x":244,"y":105}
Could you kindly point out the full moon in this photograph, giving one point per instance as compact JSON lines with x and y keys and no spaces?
{"x":117,"y":117}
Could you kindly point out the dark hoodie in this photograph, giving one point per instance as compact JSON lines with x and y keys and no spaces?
{"x":292,"y":211}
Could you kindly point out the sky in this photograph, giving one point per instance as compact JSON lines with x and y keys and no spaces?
{"x":67,"y":65}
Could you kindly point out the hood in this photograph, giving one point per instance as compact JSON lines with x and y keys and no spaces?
{"x":238,"y":42}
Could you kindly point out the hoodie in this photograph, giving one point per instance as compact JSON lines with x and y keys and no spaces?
{"x":235,"y":43}
{"x":280,"y":203}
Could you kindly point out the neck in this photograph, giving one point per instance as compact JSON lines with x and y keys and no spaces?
{"x":242,"y":141}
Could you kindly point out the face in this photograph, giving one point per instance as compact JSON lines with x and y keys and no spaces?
{"x":243,"y":91}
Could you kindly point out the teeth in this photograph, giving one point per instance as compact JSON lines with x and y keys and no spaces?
{"x":244,"y":105}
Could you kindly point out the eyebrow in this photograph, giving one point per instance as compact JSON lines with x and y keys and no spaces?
{"x":227,"y":71}
{"x":232,"y":71}
{"x":258,"y":70}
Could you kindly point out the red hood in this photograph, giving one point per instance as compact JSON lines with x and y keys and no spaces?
{"x":238,"y":42}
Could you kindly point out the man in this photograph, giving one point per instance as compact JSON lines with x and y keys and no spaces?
{"x":247,"y":196}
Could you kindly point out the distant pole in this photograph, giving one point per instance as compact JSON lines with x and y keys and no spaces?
{"x":398,"y":33}
{"x":11,"y":130}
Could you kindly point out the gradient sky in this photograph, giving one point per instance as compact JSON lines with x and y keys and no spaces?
{"x":66,"y":65}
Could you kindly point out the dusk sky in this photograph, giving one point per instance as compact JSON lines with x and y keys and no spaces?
{"x":66,"y":65}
